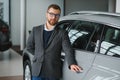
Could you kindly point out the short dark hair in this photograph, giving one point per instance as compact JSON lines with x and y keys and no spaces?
{"x":54,"y":6}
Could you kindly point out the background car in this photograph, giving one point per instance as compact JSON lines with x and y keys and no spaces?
{"x":5,"y":42}
{"x":95,"y":37}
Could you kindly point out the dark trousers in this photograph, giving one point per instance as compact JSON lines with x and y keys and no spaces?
{"x":43,"y":78}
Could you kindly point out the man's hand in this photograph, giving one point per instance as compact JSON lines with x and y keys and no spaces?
{"x":76,"y":68}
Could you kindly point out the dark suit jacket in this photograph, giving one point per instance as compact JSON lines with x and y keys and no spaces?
{"x":47,"y":62}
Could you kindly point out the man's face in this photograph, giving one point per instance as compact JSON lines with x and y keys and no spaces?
{"x":53,"y":16}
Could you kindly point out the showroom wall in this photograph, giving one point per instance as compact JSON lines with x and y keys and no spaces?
{"x":15,"y":21}
{"x":78,"y":5}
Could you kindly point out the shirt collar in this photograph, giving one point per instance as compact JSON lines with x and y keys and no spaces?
{"x":45,"y":28}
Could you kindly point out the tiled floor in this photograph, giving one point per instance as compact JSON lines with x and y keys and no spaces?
{"x":10,"y":65}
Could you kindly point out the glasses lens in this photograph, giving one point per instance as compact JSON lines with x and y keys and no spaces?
{"x":52,"y":14}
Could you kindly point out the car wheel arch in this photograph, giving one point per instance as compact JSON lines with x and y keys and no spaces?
{"x":27,"y":70}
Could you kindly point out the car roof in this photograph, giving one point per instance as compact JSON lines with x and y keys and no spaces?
{"x":110,"y":19}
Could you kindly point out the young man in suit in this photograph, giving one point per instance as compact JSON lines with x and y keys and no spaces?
{"x":46,"y":43}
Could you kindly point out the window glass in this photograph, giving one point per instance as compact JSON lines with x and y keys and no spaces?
{"x":111,"y":42}
{"x":83,"y":34}
{"x":65,"y":24}
{"x":95,"y":38}
{"x":80,"y":33}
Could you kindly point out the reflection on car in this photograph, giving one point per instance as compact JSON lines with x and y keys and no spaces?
{"x":5,"y":42}
{"x":111,"y":45}
{"x":95,"y":37}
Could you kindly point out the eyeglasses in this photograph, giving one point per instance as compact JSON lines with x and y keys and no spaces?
{"x":52,"y":14}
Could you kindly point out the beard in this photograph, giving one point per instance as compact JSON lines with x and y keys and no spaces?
{"x":52,"y":22}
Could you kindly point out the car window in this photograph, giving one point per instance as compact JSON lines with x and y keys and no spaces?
{"x":80,"y":33}
{"x":83,"y":34}
{"x":110,"y":44}
{"x":65,"y":24}
{"x":94,"y":42}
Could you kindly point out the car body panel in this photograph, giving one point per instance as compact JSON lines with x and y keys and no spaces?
{"x":104,"y":68}
{"x":27,"y":56}
{"x":85,"y":60}
{"x":103,"y":19}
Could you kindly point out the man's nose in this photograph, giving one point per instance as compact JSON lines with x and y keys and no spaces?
{"x":53,"y":17}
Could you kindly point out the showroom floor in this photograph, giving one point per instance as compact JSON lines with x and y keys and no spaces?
{"x":11,"y":65}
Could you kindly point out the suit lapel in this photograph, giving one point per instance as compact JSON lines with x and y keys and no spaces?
{"x":52,"y":37}
{"x":41,"y":34}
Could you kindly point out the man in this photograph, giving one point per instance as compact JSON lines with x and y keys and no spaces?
{"x":46,"y":42}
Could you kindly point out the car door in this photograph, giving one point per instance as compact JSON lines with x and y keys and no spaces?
{"x":107,"y":63}
{"x":80,"y":32}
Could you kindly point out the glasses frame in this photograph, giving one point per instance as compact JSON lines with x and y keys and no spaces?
{"x":53,"y":15}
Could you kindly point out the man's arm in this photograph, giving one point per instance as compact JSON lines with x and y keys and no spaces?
{"x":70,"y":54}
{"x":30,"y":42}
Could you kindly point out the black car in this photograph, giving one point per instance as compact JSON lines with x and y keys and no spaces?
{"x":5,"y":42}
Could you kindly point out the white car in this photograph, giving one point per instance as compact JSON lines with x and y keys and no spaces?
{"x":95,"y":37}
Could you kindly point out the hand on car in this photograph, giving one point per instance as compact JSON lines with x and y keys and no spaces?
{"x":76,"y":68}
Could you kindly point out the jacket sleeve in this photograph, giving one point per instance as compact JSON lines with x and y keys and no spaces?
{"x":31,"y":42}
{"x":69,"y":51}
